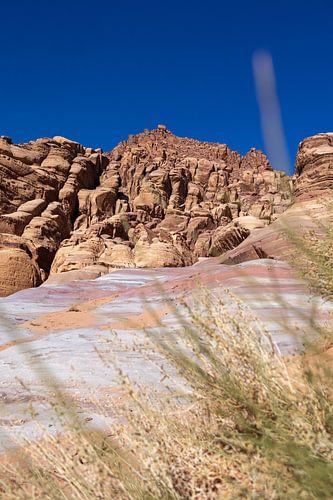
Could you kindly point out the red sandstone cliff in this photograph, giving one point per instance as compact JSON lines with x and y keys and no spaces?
{"x":155,"y":200}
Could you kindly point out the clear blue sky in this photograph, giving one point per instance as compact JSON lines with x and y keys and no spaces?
{"x":96,"y":71}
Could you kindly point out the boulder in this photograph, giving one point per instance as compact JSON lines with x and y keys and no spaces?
{"x":14,"y":223}
{"x":227,"y":237}
{"x":196,"y":226}
{"x":17,"y":271}
{"x":249,"y":222}
{"x":159,"y":254}
{"x":87,"y":273}
{"x":116,"y":255}
{"x":202,"y":244}
{"x":73,"y":256}
{"x":33,"y":207}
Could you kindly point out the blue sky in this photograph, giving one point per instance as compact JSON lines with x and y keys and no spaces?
{"x":96,"y":71}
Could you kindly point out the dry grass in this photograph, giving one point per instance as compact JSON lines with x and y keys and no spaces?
{"x":255,"y":425}
{"x":312,"y":253}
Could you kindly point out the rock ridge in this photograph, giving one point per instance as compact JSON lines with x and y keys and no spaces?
{"x":155,"y":200}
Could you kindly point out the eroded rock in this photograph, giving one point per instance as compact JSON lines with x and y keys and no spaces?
{"x":155,"y":200}
{"x":314,"y":166}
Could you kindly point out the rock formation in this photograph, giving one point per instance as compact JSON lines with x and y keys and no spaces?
{"x":166,"y":201}
{"x":155,"y":200}
{"x":314,"y":166}
{"x":39,"y":186}
{"x":313,"y":188}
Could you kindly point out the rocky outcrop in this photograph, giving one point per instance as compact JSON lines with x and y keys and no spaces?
{"x":314,"y":167}
{"x":155,"y":200}
{"x":304,"y":218}
{"x":163,"y":200}
{"x":313,"y":189}
{"x":39,"y":185}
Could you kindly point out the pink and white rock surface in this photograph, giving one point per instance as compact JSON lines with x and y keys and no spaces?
{"x":66,"y":330}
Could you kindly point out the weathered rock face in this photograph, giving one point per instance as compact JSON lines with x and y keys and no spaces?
{"x":313,"y":188}
{"x":314,"y":166}
{"x":163,"y":200}
{"x":303,"y":218}
{"x":155,"y":200}
{"x":39,"y":185}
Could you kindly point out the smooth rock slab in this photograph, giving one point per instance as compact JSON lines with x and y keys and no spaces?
{"x":80,"y":332}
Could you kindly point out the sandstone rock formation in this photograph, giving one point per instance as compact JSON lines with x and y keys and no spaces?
{"x":162,"y":198}
{"x":155,"y":200}
{"x":304,"y":218}
{"x":314,"y":167}
{"x":39,"y":183}
{"x":313,"y":188}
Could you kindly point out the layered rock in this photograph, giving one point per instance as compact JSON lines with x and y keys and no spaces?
{"x":314,"y":167}
{"x":304,"y":219}
{"x":308,"y":215}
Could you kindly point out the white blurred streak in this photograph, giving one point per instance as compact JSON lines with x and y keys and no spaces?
{"x":271,"y":121}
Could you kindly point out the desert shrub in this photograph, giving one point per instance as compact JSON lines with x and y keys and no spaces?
{"x":312,"y":252}
{"x":263,"y":409}
{"x":252,"y":425}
